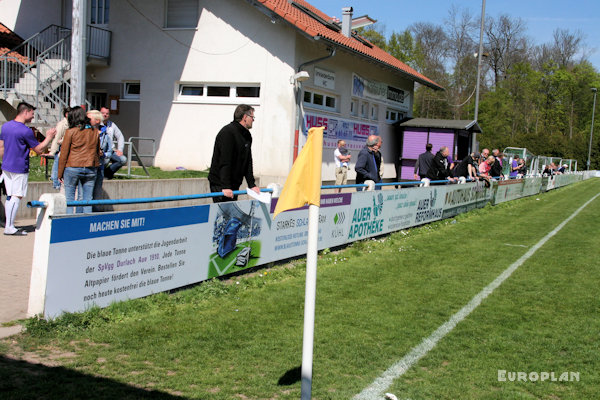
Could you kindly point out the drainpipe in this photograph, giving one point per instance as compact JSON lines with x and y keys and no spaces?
{"x":298,"y":86}
{"x":78,"y":53}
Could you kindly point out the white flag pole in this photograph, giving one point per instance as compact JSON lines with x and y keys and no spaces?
{"x":309,"y":301}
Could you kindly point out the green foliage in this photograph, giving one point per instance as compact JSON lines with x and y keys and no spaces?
{"x":376,"y":300}
{"x":404,"y":48}
{"x":373,"y":35}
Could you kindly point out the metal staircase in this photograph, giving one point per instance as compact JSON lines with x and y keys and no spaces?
{"x":39,"y":70}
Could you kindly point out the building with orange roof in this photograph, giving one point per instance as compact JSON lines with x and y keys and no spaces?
{"x":177,"y":70}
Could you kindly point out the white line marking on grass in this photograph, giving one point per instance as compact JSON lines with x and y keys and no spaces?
{"x":514,"y":245}
{"x":382,"y":383}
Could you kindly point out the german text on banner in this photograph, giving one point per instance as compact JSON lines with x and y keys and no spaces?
{"x":303,"y":184}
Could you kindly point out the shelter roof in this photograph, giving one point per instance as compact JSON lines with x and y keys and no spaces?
{"x":460,"y":124}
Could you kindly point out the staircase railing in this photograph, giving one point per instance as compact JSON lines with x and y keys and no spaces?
{"x":37,"y":71}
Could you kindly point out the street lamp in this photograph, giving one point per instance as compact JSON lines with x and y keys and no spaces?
{"x":592,"y":129}
{"x":479,"y":55}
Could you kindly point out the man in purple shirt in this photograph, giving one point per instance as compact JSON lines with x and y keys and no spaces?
{"x":514,"y":168}
{"x":15,"y":141}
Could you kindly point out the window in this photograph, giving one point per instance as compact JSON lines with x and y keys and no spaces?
{"x":181,"y":14}
{"x":192,"y":90}
{"x":225,"y":94}
{"x":217,"y":91}
{"x":131,"y":90}
{"x":317,"y":99}
{"x":374,"y":112}
{"x":99,"y":12}
{"x":354,"y":107}
{"x":320,"y":100}
{"x":392,"y":116}
{"x":364,"y":109}
{"x":247,"y":91}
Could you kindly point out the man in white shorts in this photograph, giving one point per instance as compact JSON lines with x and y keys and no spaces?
{"x":342,"y":156}
{"x":15,"y":141}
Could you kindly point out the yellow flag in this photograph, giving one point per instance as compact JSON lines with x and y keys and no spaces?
{"x":303,"y":184}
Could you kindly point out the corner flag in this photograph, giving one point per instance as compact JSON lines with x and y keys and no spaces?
{"x":303,"y":184}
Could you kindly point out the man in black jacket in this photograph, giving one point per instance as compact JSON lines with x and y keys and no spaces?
{"x":424,"y":163}
{"x":467,"y":168}
{"x":368,"y":162}
{"x":440,"y":169}
{"x":496,"y":170}
{"x":232,"y":156}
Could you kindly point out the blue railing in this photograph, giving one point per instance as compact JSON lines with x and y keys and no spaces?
{"x":82,"y":203}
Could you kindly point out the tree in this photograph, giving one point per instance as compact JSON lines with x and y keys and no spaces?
{"x":506,"y":44}
{"x":430,"y":44}
{"x":404,"y":48}
{"x":374,"y":34}
{"x":565,"y":46}
{"x":460,"y":31}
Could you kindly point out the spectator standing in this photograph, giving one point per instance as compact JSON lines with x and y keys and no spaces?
{"x":117,"y":158}
{"x":342,"y":157}
{"x":16,"y":139}
{"x":514,"y":167}
{"x":79,"y":160}
{"x":106,"y":146}
{"x":496,"y":170}
{"x":424,"y":163}
{"x":485,"y":153}
{"x":368,"y":161}
{"x":486,"y":166}
{"x":61,"y":128}
{"x":232,"y":156}
{"x":379,"y":159}
{"x":523,"y":167}
{"x":440,"y":169}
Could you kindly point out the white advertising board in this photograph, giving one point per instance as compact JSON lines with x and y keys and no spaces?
{"x":531,"y":186}
{"x":507,"y":190}
{"x":464,"y":198}
{"x":101,"y":258}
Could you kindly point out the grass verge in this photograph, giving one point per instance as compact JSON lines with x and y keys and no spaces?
{"x":376,"y":299}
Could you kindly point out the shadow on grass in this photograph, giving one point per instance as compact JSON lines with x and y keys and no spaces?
{"x":290,"y":377}
{"x":23,"y":380}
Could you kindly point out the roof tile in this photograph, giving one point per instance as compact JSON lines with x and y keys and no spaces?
{"x":15,"y":56}
{"x":316,"y":28}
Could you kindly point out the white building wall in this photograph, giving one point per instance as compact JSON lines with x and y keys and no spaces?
{"x":27,"y":17}
{"x":344,"y":64}
{"x":234,"y":43}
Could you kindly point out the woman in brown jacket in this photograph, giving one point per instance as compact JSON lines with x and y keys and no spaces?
{"x":79,"y":157}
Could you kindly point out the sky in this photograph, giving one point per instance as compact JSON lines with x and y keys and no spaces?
{"x":541,"y":17}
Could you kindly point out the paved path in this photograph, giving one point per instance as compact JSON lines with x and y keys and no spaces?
{"x":15,"y":271}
